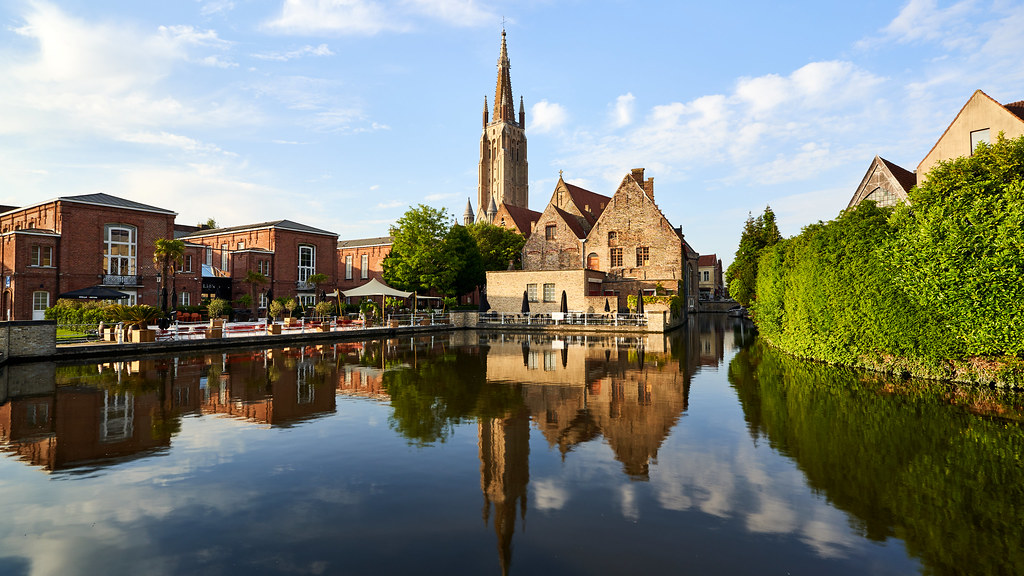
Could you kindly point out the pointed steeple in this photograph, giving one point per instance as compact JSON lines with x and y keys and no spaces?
{"x":522,"y":113}
{"x":504,"y":105}
{"x":467,"y":216}
{"x":485,"y":111}
{"x":492,"y":210}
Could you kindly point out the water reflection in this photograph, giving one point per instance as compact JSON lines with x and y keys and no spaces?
{"x":703,"y":442}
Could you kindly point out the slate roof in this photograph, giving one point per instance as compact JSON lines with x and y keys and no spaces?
{"x":115,"y":201}
{"x":280,"y":224}
{"x":363,"y":242}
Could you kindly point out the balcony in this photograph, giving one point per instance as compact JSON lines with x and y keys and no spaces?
{"x":121,"y":280}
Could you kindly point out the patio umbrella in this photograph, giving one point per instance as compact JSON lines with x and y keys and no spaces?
{"x":174,"y":298}
{"x":484,"y":304}
{"x":94,"y":293}
{"x":639,"y":301}
{"x":565,"y":305}
{"x":565,"y":355}
{"x":526,"y":303}
{"x":607,"y":306}
{"x":526,"y":354}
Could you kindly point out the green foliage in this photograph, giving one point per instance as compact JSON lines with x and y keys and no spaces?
{"x":429,"y":253}
{"x":498,"y":245}
{"x":216,"y":307}
{"x":276,"y":308}
{"x":290,"y":304}
{"x":140,"y":315}
{"x":324,"y":309}
{"x":758,"y":233}
{"x":917,"y":289}
{"x":67,"y":311}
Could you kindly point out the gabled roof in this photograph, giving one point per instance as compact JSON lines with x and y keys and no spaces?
{"x":522,"y":217}
{"x":1016,"y":109}
{"x":707,"y":260}
{"x":905,"y":177}
{"x":366,"y":242}
{"x":571,"y":221}
{"x":584,"y":198}
{"x":278,"y":224}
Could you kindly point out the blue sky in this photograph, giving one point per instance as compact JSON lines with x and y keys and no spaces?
{"x":342,"y":114}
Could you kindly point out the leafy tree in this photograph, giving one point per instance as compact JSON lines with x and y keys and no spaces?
{"x":210,"y":223}
{"x":461,"y":252}
{"x":758,"y":233}
{"x":498,"y":245}
{"x":415,"y":261}
{"x":167,"y":254}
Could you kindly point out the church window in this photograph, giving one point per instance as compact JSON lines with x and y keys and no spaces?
{"x":549,"y":232}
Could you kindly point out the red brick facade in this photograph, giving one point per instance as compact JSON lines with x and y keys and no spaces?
{"x":359,"y":261}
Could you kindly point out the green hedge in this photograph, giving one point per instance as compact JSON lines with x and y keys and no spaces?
{"x":923,"y":289}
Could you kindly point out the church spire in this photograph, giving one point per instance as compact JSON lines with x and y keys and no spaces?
{"x":485,"y":111}
{"x":504,"y":105}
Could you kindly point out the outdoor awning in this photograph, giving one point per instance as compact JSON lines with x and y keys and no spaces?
{"x":94,"y":293}
{"x":375,"y":288}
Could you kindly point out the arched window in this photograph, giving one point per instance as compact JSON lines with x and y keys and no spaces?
{"x":593,"y":262}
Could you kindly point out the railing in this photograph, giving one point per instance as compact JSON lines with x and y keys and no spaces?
{"x":422,"y":319}
{"x":77,"y":333}
{"x":303,"y":285}
{"x":121,"y":280}
{"x":565,"y":319}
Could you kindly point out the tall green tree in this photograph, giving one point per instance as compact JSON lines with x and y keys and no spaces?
{"x":498,"y":245}
{"x":168,"y":254}
{"x":417,"y":260}
{"x":758,"y":233}
{"x":461,"y":250}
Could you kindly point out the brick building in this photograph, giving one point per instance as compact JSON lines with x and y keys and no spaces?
{"x":596,"y":247}
{"x":361,"y":260}
{"x":76,"y":242}
{"x":286,"y":252}
{"x":710,"y":278}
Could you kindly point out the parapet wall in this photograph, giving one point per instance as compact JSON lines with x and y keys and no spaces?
{"x":25,"y":340}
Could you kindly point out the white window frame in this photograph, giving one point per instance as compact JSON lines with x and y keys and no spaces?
{"x":40,"y":302}
{"x":531,"y":293}
{"x":185,"y":299}
{"x":38,"y":251}
{"x":549,"y":292}
{"x":364,"y":266}
{"x":307,"y":270}
{"x":348,"y":267}
{"x":977,"y":136}
{"x":225,"y":257}
{"x":115,"y":262}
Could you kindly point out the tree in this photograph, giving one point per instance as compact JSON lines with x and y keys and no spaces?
{"x":498,"y":245}
{"x":167,"y":254}
{"x":416,"y":261}
{"x":461,"y":252}
{"x":210,"y":223}
{"x":758,"y":233}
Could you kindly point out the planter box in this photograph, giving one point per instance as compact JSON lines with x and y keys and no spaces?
{"x":291,"y":322}
{"x":144,"y":335}
{"x":325,"y":327}
{"x":214,"y":332}
{"x":109,"y":335}
{"x":273,"y":328}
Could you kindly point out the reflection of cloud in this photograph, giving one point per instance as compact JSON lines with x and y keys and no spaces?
{"x":547,"y":495}
{"x":630,"y":509}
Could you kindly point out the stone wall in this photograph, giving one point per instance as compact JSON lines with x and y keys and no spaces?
{"x":505,"y":290}
{"x":21,"y":340}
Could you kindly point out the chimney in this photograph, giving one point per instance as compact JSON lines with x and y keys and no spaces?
{"x":638,"y":176}
{"x":649,"y":188}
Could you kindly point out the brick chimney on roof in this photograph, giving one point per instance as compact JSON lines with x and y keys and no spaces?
{"x":647,"y":185}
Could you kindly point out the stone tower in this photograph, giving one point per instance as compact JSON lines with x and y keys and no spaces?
{"x":503,"y":177}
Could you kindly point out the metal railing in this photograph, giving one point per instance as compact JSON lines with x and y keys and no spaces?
{"x":121,"y":280}
{"x":565,"y":319}
{"x":77,"y":333}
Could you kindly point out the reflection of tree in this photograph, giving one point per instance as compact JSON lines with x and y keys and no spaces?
{"x":443,"y":390}
{"x":896,"y":457}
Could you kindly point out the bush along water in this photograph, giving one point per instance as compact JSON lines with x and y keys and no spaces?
{"x":931,"y":289}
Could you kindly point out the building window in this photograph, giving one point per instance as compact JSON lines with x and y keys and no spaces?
{"x":224,"y":257}
{"x":593,"y":262}
{"x":40,"y":301}
{"x":186,"y":264}
{"x":262,"y":300}
{"x":707,"y":276}
{"x":307,"y":262}
{"x":549,"y":292}
{"x":119,"y":250}
{"x":612,"y":235}
{"x":264,"y":267}
{"x":42,"y":256}
{"x":209,"y":255}
{"x":185,"y":299}
{"x":549,"y":232}
{"x":977,"y":137}
{"x":643,"y":256}
{"x":615,"y":258}
{"x":531,"y":292}
{"x":348,"y":267}
{"x":364,"y":266}
{"x":307,"y":300}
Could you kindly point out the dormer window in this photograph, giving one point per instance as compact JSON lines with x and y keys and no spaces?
{"x":612,"y":236}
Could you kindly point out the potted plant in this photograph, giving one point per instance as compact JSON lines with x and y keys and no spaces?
{"x":290,"y":305}
{"x":138,"y":318}
{"x":324,"y":310}
{"x":274,"y":310}
{"x":215,"y":308}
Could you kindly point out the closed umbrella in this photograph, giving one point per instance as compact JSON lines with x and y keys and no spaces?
{"x":484,"y":304}
{"x":607,"y":306}
{"x":639,"y":301}
{"x":565,"y":305}
{"x":174,"y":298}
{"x":526,"y":303}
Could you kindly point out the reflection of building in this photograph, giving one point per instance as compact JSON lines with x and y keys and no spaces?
{"x":504,"y":445}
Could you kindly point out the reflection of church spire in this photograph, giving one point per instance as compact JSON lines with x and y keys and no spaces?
{"x":504,"y":445}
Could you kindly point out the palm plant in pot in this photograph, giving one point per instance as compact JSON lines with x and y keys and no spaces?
{"x":137,"y":318}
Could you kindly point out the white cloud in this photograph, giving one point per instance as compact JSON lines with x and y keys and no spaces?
{"x":174,"y":141}
{"x":622,"y":114}
{"x":547,"y":495}
{"x":307,"y":50}
{"x":216,"y":7}
{"x":546,"y":117}
{"x":924,"y":20}
{"x":389,"y":205}
{"x":437,"y":197}
{"x":369,"y":17}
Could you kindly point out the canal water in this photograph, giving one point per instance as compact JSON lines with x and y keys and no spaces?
{"x":496,"y":453}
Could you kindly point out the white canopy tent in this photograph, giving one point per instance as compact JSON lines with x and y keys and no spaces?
{"x":371,"y":289}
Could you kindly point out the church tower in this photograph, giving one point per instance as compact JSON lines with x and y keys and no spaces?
{"x":503,"y":177}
